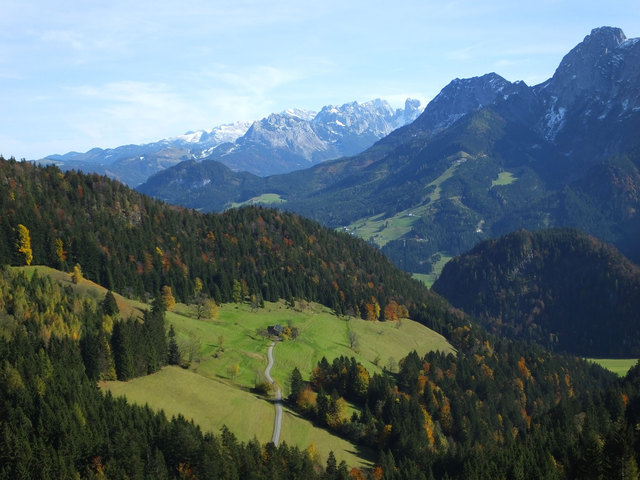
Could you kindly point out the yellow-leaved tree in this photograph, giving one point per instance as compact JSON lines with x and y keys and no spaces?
{"x":24,"y":243}
{"x":168,"y":298}
{"x":76,"y":274}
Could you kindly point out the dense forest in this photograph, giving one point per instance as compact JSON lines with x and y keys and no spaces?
{"x":498,"y":408}
{"x":559,"y":287}
{"x":134,"y":245}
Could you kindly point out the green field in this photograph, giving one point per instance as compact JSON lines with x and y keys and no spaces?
{"x":619,"y":366}
{"x":321,"y":333}
{"x":504,"y":178}
{"x":224,"y":398}
{"x":212,"y":395}
{"x":213,"y":403}
{"x":429,"y":278}
{"x":264,"y":199}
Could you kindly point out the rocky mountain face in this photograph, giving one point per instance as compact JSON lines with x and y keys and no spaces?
{"x":293,"y":140}
{"x":460,"y":97}
{"x":279,"y":143}
{"x":486,"y":157}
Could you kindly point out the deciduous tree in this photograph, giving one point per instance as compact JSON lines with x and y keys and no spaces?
{"x":24,"y":244}
{"x":76,"y":274}
{"x":168,"y":298}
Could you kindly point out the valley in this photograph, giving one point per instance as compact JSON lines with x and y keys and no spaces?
{"x":428,"y":296}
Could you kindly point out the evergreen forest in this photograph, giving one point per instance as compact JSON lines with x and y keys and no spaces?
{"x":498,"y":408}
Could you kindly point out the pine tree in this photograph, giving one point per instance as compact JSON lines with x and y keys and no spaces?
{"x":174,"y":351}
{"x":237,"y":291}
{"x":109,"y":304}
{"x":297,"y":385}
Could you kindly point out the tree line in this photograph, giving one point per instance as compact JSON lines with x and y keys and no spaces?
{"x":56,"y":423}
{"x":134,"y":245}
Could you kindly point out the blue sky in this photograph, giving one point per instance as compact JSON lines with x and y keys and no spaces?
{"x":81,"y":74}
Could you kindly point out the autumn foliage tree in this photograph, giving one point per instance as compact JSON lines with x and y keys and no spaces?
{"x":168,"y":298}
{"x":76,"y":274}
{"x":24,"y":244}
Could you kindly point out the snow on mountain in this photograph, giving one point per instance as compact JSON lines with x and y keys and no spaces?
{"x":228,"y":132}
{"x":280,"y":142}
{"x":295,"y":139}
{"x":596,"y":79}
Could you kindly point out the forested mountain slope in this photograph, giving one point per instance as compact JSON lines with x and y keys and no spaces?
{"x":135,"y":245}
{"x":497,"y":408}
{"x":559,"y":287}
{"x":486,"y":157}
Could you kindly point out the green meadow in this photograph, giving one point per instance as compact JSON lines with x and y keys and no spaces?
{"x":264,"y":199}
{"x":504,"y":178}
{"x":429,"y":278}
{"x":619,"y":366}
{"x":228,"y":355}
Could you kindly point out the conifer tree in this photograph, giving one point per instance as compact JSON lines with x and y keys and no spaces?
{"x":109,"y":304}
{"x":174,"y":351}
{"x":297,"y":385}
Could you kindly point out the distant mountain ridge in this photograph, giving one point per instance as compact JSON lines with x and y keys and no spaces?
{"x":279,"y":143}
{"x":293,"y":140}
{"x":486,"y":157}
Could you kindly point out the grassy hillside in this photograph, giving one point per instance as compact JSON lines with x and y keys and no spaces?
{"x":210,"y":394}
{"x":619,"y":366}
{"x":320,"y":333}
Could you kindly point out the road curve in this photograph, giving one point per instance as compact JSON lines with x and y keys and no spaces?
{"x":277,"y":425}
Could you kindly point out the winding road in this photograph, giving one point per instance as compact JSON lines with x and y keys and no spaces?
{"x":277,"y":425}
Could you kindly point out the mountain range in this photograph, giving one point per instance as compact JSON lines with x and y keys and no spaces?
{"x":486,"y":157}
{"x":279,"y":143}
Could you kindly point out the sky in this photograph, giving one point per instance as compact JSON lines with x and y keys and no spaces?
{"x":81,"y":74}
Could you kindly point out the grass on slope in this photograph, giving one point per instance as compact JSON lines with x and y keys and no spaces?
{"x":264,"y":199}
{"x":429,"y":278}
{"x":619,"y":366}
{"x":212,"y":395}
{"x":504,"y":178}
{"x":87,"y":288}
{"x":320,"y":333}
{"x":214,"y":403}
{"x":382,"y":230}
